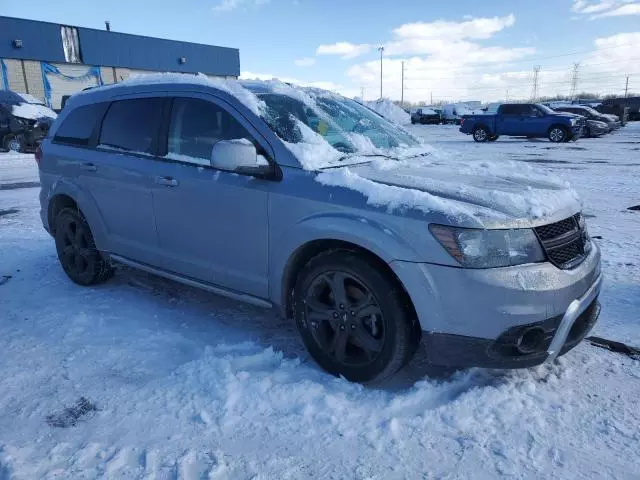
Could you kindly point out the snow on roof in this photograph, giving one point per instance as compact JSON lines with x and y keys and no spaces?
{"x":232,"y":87}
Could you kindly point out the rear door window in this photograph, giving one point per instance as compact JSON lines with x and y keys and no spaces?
{"x":510,"y":110}
{"x":132,"y":125}
{"x":78,"y":127}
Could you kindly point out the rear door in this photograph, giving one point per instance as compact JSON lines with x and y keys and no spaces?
{"x":119,"y":176}
{"x":212,"y":225}
{"x":508,"y":120}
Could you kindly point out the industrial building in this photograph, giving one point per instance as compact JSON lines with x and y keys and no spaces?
{"x":49,"y":60}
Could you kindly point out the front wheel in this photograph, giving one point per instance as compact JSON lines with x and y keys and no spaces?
{"x":14,"y":143}
{"x":557,"y":134}
{"x":493,"y":138}
{"x":351,"y":317}
{"x":480,"y":134}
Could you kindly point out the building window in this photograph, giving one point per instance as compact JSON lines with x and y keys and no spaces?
{"x":71,"y":44}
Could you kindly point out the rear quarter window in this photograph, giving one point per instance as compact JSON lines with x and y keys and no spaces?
{"x":77,"y":128}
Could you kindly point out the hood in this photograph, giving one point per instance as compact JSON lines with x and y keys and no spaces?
{"x":33,"y":111}
{"x":610,"y":116}
{"x":567,"y":115}
{"x":470,"y":194}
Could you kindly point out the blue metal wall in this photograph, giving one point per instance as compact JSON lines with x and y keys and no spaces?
{"x":43,"y":41}
{"x":40,"y":40}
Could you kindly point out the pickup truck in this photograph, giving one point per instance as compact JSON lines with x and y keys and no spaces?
{"x":531,"y":120}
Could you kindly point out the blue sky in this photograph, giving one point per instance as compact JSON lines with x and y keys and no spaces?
{"x":452,"y":50}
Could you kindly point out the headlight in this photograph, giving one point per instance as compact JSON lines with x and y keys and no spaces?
{"x":475,"y":248}
{"x":574,"y":122}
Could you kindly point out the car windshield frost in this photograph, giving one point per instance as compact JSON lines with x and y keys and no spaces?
{"x":346,"y":125}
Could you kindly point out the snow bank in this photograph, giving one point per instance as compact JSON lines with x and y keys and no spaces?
{"x":390,"y":111}
{"x":32,"y":111}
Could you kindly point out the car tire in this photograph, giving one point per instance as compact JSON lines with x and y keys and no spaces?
{"x":77,"y":252}
{"x":587,"y":133}
{"x":558,"y":134}
{"x":480,"y":134}
{"x":352,"y":317}
{"x":13,"y":143}
{"x":493,"y":138}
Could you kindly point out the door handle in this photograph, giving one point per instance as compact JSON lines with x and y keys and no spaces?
{"x":167,"y":181}
{"x":89,"y":167}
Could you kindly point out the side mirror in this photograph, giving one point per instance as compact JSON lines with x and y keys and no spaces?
{"x":239,"y":156}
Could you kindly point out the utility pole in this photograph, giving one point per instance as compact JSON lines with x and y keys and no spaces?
{"x":362,"y":94}
{"x":381,"y":50}
{"x":431,"y":97}
{"x":574,"y":79}
{"x":626,"y":88}
{"x":402,"y":91}
{"x":507,"y":96}
{"x":536,"y":73}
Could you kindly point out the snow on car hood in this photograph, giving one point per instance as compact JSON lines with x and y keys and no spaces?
{"x":471,"y":193}
{"x":32,"y":111}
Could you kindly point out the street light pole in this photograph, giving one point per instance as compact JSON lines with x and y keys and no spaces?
{"x":381,"y":50}
{"x":402,"y":91}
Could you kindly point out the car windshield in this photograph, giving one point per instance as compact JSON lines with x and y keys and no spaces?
{"x":591,"y":110}
{"x":346,"y":125}
{"x":545,"y":109}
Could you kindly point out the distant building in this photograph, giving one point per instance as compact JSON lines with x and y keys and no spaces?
{"x":49,"y":60}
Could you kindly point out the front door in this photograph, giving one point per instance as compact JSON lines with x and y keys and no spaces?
{"x":212,"y":225}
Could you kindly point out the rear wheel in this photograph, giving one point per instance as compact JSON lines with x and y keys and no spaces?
{"x":480,"y":134}
{"x":557,"y":134}
{"x":76,"y":249}
{"x":351,"y":317}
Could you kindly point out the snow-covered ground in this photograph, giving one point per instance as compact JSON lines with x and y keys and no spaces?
{"x":189,"y":385}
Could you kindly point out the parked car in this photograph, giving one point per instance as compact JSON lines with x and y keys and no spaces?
{"x":453,"y":113}
{"x":425,"y":115}
{"x":24,"y":121}
{"x":591,"y":114}
{"x":621,"y":112}
{"x":523,"y":120}
{"x":258,"y":191}
{"x":617,"y":106}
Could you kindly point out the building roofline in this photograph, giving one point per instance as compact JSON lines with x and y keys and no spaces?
{"x":116,"y":33}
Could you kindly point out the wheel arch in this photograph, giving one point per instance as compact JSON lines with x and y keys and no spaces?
{"x":305,"y":252}
{"x":66,"y":194}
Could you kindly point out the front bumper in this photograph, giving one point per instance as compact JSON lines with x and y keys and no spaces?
{"x":557,"y":336}
{"x":481,"y":310}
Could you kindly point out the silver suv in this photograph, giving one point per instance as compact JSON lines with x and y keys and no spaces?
{"x":309,"y":202}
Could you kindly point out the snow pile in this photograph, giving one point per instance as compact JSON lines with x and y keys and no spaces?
{"x":390,"y":111}
{"x":32,"y":111}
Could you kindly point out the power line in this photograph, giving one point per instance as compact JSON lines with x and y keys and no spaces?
{"x":536,"y":73}
{"x":574,"y":79}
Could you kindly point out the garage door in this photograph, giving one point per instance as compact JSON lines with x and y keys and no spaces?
{"x":69,"y":79}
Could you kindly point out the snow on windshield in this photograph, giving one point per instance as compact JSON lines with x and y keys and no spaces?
{"x":32,"y":111}
{"x":322,"y":128}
